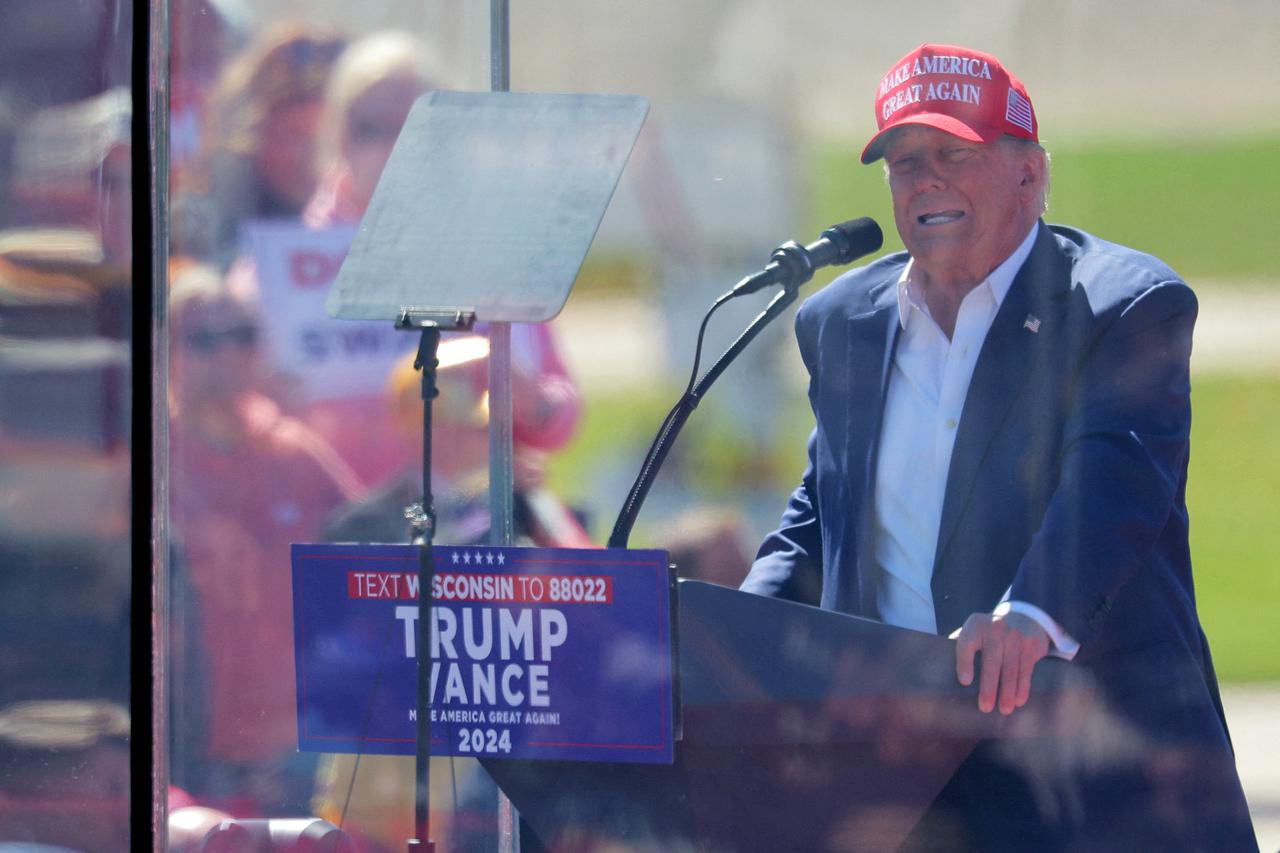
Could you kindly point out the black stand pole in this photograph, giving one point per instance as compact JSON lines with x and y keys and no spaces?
{"x":683,"y":409}
{"x":423,"y":518}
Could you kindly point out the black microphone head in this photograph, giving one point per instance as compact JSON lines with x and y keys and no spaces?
{"x":854,"y":238}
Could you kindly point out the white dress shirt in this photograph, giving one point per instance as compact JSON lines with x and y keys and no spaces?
{"x":927,"y":388}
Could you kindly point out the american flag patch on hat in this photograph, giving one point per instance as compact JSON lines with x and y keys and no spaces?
{"x":1018,"y":111}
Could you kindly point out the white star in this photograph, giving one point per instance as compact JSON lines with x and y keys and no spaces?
{"x":455,"y":558}
{"x":479,"y":558}
{"x":502,"y":559}
{"x":488,"y":558}
{"x":466,"y":558}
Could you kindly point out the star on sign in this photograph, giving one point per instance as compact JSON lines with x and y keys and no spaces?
{"x":502,"y":558}
{"x":455,"y":558}
{"x":466,"y":558}
{"x":488,"y":558}
{"x":479,"y":558}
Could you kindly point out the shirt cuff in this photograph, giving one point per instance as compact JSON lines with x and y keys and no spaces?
{"x":1064,"y":645}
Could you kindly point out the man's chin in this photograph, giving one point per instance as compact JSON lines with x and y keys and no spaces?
{"x":939,"y":249}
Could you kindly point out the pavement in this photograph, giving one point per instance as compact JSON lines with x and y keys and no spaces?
{"x":1253,"y":714}
{"x":1235,"y":331}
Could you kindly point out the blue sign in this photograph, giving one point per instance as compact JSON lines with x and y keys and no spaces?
{"x":548,"y":653}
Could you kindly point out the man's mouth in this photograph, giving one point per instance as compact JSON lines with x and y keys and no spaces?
{"x":940,"y":218}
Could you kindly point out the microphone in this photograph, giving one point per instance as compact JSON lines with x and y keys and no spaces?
{"x":792,"y":264}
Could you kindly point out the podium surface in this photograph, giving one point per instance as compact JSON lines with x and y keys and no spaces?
{"x":801,"y":729}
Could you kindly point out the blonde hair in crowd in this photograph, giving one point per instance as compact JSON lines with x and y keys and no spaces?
{"x":290,"y":63}
{"x":366,"y":62}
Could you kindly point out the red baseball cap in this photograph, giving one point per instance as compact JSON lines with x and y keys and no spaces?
{"x":964,"y":92}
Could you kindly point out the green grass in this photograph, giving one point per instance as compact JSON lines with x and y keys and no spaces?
{"x":1233,"y":495}
{"x":1207,"y":208}
{"x":716,"y":461}
{"x":610,"y":423}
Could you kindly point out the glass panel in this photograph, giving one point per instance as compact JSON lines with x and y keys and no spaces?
{"x":286,"y":426}
{"x":65,"y":294}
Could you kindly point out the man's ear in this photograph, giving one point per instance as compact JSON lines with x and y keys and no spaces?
{"x":1029,"y":172}
{"x":1033,"y":173}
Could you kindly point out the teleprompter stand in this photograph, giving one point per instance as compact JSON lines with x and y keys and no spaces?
{"x":484,"y":212}
{"x":429,"y":323}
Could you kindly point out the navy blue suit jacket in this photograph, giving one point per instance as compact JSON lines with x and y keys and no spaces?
{"x":1067,"y":480}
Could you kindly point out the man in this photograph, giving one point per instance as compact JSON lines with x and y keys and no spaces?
{"x":1000,"y":455}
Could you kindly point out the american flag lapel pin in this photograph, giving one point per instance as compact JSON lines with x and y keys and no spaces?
{"x":1032,"y":322}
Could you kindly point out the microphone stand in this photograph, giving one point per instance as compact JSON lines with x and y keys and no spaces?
{"x":675,"y":421}
{"x":422,"y":516}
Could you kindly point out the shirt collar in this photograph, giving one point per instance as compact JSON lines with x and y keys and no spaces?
{"x":998,"y":282}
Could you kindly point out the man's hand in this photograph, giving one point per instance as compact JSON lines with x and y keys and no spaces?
{"x":1011,"y":646}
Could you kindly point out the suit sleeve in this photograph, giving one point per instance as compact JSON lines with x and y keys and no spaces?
{"x":1124,"y":457}
{"x":789,"y":562}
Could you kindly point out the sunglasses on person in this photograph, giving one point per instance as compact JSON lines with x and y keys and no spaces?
{"x":208,"y":341}
{"x":305,"y":52}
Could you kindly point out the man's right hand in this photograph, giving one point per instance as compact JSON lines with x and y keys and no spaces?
{"x":1011,"y":646}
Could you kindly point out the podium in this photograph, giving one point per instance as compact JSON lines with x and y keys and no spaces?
{"x":800,"y":729}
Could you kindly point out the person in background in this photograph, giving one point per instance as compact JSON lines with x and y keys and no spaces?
{"x":374,"y":85}
{"x":246,"y":482}
{"x":460,"y":460}
{"x":202,"y":34}
{"x":258,"y":159}
{"x":711,"y":545}
{"x":72,"y":165}
{"x":65,"y":289}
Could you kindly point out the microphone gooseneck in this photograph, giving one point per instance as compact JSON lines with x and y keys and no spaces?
{"x":791,"y":264}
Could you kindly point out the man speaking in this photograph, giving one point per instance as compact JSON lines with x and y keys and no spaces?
{"x":1000,"y":455}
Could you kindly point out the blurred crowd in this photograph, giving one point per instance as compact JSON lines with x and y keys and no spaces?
{"x":65,"y":294}
{"x":275,"y":434}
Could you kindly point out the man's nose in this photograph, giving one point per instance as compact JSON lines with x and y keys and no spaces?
{"x":927,"y":177}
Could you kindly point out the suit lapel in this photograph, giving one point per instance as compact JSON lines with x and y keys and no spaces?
{"x":1003,"y":367}
{"x":873,"y":335}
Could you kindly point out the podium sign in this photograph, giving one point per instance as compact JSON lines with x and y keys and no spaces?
{"x":322,"y":359}
{"x":536,"y":653}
